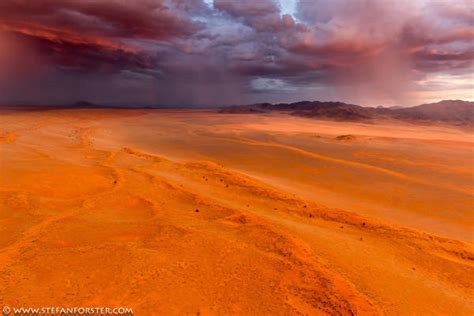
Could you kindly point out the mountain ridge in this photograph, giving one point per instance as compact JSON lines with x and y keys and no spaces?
{"x":449,"y":111}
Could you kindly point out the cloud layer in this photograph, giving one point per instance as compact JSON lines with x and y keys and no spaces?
{"x":191,"y":52}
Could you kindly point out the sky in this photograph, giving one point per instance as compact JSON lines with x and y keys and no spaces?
{"x":224,"y":52}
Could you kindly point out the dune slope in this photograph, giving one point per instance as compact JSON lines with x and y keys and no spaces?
{"x":193,"y":212}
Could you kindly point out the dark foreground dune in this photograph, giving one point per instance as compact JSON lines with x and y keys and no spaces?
{"x":194,"y":212}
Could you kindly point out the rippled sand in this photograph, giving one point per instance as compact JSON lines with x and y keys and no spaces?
{"x":187,"y":212}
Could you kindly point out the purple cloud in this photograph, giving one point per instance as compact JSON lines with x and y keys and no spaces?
{"x":226,"y":52}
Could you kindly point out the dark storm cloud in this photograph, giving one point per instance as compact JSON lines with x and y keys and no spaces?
{"x":91,"y":35}
{"x":96,"y":18}
{"x":88,"y":56}
{"x":192,"y":52}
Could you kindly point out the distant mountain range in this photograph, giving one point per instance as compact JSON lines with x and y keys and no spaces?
{"x":455,"y":112}
{"x":450,"y":111}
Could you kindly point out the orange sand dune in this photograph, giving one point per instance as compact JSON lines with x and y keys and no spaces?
{"x":193,"y":212}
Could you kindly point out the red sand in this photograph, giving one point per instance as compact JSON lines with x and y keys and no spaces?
{"x":186,"y":212}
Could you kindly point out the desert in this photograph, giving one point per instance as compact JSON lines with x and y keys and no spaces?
{"x":196,"y":212}
{"x":237,"y":157}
